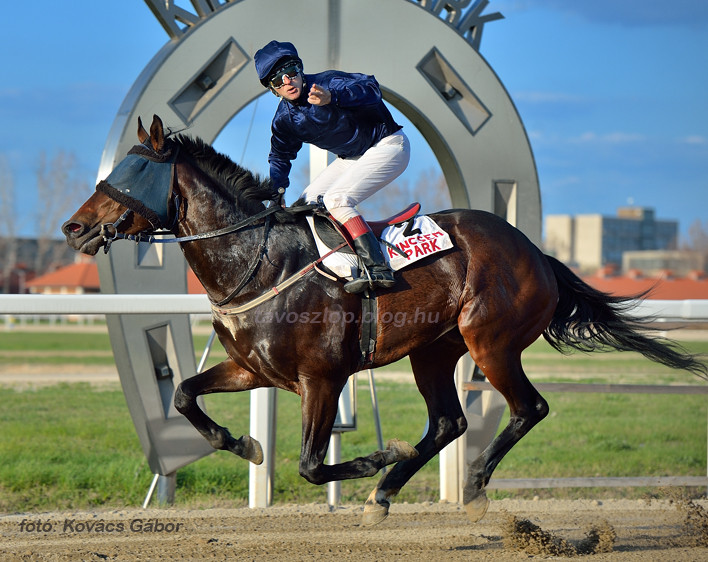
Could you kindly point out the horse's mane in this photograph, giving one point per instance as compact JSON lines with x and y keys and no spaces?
{"x":235,"y":183}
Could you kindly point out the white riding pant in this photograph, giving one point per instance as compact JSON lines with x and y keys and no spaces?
{"x":346,"y":182}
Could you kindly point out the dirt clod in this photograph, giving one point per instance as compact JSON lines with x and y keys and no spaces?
{"x":522,"y":534}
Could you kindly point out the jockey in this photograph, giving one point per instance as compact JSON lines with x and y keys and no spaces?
{"x":343,"y":113}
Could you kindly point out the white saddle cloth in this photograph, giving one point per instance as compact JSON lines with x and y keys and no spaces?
{"x":418,"y":240}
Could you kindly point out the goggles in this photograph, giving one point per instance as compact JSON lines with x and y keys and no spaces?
{"x":290,"y":70}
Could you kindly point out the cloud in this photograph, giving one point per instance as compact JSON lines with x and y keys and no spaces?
{"x":621,"y":138}
{"x":609,"y":138}
{"x":548,"y":97}
{"x":10,"y":94}
{"x":694,"y":139}
{"x":631,"y":13}
{"x":561,"y":182}
{"x":59,"y":103}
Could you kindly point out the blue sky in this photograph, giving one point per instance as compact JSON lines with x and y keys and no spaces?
{"x":612,"y":94}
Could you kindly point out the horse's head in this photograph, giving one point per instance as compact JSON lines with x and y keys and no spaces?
{"x":134,"y":198}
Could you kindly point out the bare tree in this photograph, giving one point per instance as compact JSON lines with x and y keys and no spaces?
{"x":697,"y":240}
{"x":429,"y":189}
{"x":8,"y":225}
{"x":59,"y":192}
{"x":698,"y":236}
{"x":432,"y":191}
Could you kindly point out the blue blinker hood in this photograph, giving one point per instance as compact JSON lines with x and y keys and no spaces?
{"x":142,"y":182}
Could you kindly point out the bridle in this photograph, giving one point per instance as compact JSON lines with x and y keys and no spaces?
{"x":258,"y":258}
{"x":110,"y":231}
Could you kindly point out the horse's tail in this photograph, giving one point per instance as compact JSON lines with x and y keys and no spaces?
{"x":589,"y":320}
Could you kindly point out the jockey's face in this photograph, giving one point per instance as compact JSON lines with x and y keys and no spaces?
{"x":291,"y":87}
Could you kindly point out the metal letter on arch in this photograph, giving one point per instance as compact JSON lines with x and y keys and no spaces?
{"x":426,"y":67}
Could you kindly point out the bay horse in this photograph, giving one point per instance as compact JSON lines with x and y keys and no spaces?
{"x":491,"y":295}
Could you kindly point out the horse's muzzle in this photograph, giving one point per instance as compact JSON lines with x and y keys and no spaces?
{"x":82,"y":238}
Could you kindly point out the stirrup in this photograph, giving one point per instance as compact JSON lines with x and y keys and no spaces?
{"x":367,"y":280}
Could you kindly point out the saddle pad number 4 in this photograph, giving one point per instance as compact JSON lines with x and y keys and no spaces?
{"x":418,"y":238}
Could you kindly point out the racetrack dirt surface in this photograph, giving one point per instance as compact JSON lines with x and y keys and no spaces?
{"x":634,"y":530}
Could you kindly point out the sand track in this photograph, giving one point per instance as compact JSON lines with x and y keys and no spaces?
{"x":645,"y":530}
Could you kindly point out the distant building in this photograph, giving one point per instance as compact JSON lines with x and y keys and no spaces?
{"x":665,"y":263}
{"x":22,"y":259}
{"x":592,"y":241}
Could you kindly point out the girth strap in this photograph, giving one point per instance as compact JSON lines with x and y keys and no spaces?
{"x":367,"y":341}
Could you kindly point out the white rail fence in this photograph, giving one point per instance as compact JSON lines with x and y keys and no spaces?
{"x":663,"y":310}
{"x":684,"y":312}
{"x":600,"y":482}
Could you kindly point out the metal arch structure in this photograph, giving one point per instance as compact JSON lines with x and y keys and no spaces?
{"x":435,"y":77}
{"x":204,"y":76}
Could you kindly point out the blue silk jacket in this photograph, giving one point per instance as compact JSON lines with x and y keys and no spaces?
{"x":348,"y":126}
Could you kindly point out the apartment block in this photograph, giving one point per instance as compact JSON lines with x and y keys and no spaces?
{"x":592,"y":241}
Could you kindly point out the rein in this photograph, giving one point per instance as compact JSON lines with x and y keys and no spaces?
{"x":150,"y":237}
{"x":273,"y":291}
{"x":110,"y":234}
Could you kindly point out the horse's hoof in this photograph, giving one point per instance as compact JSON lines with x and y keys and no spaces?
{"x":251,"y":449}
{"x":477,"y":507}
{"x":400,"y":450}
{"x":374,"y":512}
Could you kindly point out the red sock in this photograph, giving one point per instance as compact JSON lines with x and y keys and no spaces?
{"x":356,"y":226}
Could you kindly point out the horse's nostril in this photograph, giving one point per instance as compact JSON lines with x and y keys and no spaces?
{"x":71,"y":227}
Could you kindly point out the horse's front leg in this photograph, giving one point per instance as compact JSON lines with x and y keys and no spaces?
{"x":319,"y":410}
{"x":224,"y":377}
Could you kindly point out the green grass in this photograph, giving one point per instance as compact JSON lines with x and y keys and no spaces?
{"x":55,"y":348}
{"x":74,"y":447}
{"x":589,"y":435}
{"x":19,"y":340}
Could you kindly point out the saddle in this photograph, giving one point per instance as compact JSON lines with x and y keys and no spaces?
{"x":332,"y":235}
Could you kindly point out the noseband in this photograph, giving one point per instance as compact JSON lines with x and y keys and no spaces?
{"x":109,"y":231}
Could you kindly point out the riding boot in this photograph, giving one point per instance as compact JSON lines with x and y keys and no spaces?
{"x":375,"y":273}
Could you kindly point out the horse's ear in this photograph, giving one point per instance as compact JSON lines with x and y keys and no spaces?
{"x":157,"y":134}
{"x":142,"y":133}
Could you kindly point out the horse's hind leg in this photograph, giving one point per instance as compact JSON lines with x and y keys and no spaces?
{"x":434,"y":369}
{"x":526,"y":407}
{"x":224,"y":377}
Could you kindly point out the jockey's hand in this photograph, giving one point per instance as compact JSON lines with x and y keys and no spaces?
{"x":319,"y":95}
{"x":278,"y":196}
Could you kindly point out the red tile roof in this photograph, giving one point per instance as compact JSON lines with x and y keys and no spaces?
{"x":194,"y":287}
{"x":670,"y":288}
{"x":77,"y":275}
{"x":85,"y":275}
